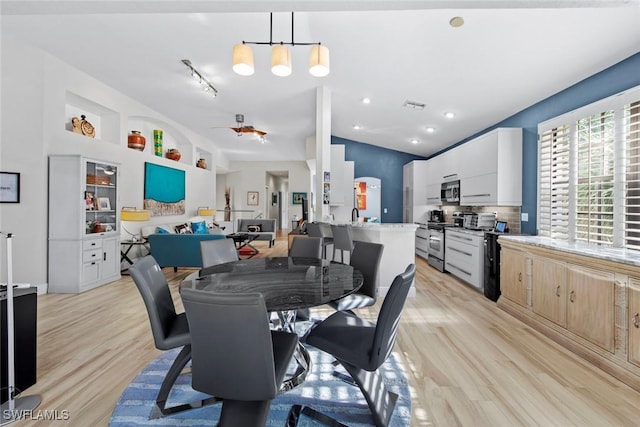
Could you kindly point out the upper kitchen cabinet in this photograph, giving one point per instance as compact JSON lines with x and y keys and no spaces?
{"x":490,"y":169}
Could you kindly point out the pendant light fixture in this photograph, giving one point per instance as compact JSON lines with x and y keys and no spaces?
{"x":243,"y":60}
{"x":281,"y":55}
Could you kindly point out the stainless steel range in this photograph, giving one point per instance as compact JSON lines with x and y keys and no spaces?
{"x":435,"y":248}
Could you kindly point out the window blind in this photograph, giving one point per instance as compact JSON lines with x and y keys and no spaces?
{"x":631,"y":132}
{"x":553,"y":186}
{"x":589,"y":173}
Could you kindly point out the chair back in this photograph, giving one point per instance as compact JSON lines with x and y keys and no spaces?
{"x":153,"y":286}
{"x":389,"y":316}
{"x":313,"y":229}
{"x":306,"y":247}
{"x":342,"y":237}
{"x":219,"y":251}
{"x":366,"y":258}
{"x":232,"y":350}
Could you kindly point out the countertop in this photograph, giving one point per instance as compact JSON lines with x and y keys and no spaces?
{"x":384,"y":226}
{"x":625,"y":256}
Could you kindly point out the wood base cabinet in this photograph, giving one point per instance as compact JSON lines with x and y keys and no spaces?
{"x":515,"y":276}
{"x":634,"y":320}
{"x":588,"y":304}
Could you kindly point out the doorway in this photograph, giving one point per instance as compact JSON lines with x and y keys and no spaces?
{"x":369,"y":198}
{"x":276,"y":189}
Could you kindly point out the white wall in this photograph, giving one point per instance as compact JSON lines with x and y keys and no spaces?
{"x":35,"y":91}
{"x":252,"y":176}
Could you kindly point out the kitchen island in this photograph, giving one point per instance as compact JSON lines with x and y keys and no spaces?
{"x":399,"y":242}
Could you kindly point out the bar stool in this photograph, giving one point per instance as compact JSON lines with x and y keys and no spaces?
{"x":322,"y":230}
{"x":342,"y":240}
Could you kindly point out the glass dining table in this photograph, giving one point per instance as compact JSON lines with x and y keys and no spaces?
{"x":287,"y":284}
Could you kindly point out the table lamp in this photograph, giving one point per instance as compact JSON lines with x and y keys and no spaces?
{"x":206,"y":211}
{"x":134,"y":215}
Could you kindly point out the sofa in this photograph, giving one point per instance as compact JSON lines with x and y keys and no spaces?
{"x":172,"y":249}
{"x":264,"y":229}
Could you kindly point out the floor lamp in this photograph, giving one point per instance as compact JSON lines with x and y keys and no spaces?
{"x":14,"y":408}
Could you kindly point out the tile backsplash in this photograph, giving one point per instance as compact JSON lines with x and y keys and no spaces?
{"x":510,"y":214}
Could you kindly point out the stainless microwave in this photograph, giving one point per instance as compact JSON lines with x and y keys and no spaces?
{"x":450,"y":192}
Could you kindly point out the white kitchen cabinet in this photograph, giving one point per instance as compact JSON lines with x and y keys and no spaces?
{"x":414,"y":194}
{"x":464,"y":256}
{"x":84,"y":223}
{"x":491,"y":169}
{"x":422,"y":241}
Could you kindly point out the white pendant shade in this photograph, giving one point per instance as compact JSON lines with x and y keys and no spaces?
{"x":243,"y":60}
{"x":281,"y":61}
{"x":319,"y":61}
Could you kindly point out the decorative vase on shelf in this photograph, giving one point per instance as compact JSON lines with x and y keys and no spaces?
{"x":202,"y":163}
{"x":136,"y":141}
{"x":173,"y":154}
{"x":157,"y":142}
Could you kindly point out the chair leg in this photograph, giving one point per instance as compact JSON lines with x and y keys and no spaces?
{"x":244,"y":413}
{"x":173,"y":373}
{"x":381,"y":401}
{"x":297,"y":411}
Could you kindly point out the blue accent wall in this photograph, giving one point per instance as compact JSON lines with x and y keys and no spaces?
{"x":378,"y":162}
{"x":617,"y":78}
{"x":387,"y":164}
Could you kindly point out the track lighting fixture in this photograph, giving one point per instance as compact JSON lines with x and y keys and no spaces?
{"x":204,"y":83}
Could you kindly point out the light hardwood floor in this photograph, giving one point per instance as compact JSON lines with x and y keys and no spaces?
{"x":468,"y":363}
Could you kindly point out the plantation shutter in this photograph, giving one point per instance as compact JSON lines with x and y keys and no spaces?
{"x":553,"y":186}
{"x":595,"y":178}
{"x":631,"y":132}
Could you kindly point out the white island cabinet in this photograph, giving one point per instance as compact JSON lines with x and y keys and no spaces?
{"x":399,"y":250}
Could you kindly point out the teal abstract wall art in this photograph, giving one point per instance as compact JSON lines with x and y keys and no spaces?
{"x":164,"y":190}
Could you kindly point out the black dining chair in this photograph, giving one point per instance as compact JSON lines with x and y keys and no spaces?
{"x":342,"y":240}
{"x":323,"y":231}
{"x":235,"y":355}
{"x":362,"y":346}
{"x":366,"y":258}
{"x":170,"y":330}
{"x":218,"y":251}
{"x":305,"y":247}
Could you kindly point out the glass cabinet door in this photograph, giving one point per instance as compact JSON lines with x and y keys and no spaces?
{"x":100,"y":198}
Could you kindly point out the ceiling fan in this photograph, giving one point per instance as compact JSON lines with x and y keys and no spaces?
{"x":241,"y":128}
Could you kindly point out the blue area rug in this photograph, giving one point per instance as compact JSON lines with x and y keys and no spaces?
{"x":321,"y":391}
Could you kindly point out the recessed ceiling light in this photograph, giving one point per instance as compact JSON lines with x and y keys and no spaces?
{"x":431,"y":130}
{"x":357,"y":127}
{"x":366,"y":100}
{"x":449,"y":115}
{"x":456,"y":21}
{"x":414,"y":141}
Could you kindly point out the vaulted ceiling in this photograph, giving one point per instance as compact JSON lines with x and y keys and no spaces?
{"x":507,"y":55}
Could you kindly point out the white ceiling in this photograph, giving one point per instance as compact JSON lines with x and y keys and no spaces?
{"x":507,"y":56}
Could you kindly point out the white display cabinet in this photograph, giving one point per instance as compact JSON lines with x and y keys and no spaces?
{"x":84,"y":223}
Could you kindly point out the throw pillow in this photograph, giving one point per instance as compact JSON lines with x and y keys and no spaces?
{"x":199,"y":227}
{"x":160,"y":230}
{"x":183,"y":229}
{"x":254,"y":228}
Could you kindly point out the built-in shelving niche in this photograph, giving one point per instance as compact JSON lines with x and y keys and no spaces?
{"x":105,"y":121}
{"x":171,"y":137}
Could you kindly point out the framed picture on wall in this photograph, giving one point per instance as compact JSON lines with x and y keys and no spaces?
{"x":9,"y":187}
{"x":297,"y":198}
{"x":252,"y":198}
